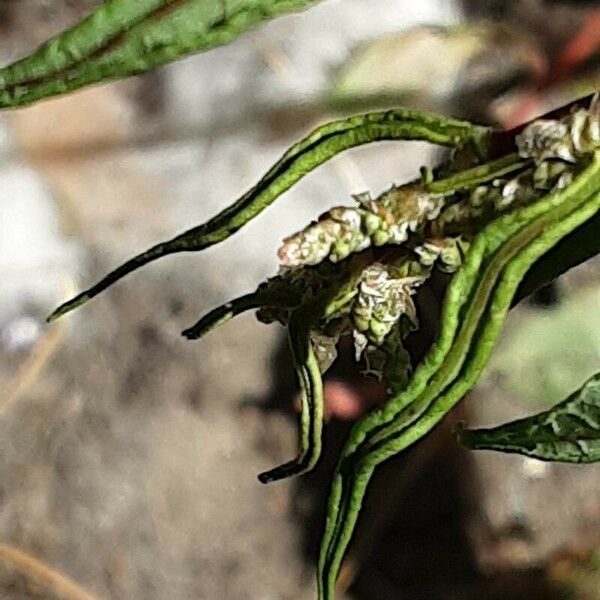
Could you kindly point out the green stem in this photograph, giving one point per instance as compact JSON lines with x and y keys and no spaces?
{"x":477,"y":175}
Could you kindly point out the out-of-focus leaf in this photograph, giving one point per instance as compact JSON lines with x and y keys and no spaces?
{"x":128,"y":37}
{"x":432,"y":67}
{"x":542,"y":360}
{"x":569,"y":432}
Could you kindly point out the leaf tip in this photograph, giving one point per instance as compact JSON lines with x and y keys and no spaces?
{"x":263,"y":478}
{"x":68,"y":306}
{"x":463,"y":435}
{"x":190,"y":333}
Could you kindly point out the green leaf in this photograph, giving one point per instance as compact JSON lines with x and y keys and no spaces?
{"x":128,"y":37}
{"x":576,"y":248}
{"x":315,"y":149}
{"x":569,"y":432}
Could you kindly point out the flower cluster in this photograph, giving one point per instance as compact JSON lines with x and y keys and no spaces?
{"x":384,"y":295}
{"x":342,"y":231}
{"x":466,"y":214}
{"x":430,"y":231}
{"x":567,"y":139}
{"x":378,"y":301}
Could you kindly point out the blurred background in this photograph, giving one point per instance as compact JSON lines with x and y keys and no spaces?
{"x":128,"y":456}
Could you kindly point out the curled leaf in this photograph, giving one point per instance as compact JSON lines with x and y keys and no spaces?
{"x":311,"y":415}
{"x":542,"y":225}
{"x":568,"y":432}
{"x":305,"y":156}
{"x":220,"y":315}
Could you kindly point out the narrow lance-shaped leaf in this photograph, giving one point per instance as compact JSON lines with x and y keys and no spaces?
{"x":568,"y":432}
{"x":224,"y":313}
{"x":305,"y":156}
{"x":128,"y":37}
